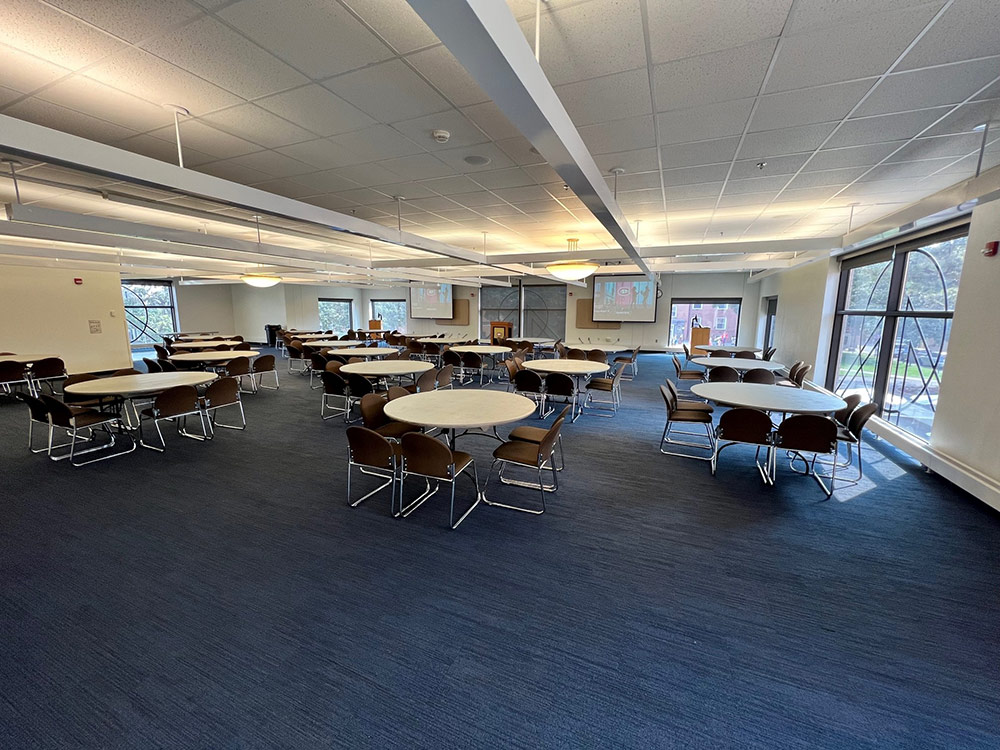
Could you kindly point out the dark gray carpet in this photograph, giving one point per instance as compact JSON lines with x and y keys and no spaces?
{"x":223,"y":596}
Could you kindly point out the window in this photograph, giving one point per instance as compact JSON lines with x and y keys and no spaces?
{"x":544,"y":310}
{"x":336,"y":315}
{"x":501,"y":304}
{"x":770,"y":319}
{"x":893,"y":320}
{"x":392,"y":312}
{"x":721,"y":315}
{"x":149,"y":311}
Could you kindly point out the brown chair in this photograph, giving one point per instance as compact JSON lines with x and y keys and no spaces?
{"x":800,"y":376}
{"x":511,"y":366}
{"x":426,"y":382}
{"x":759,"y":375}
{"x":38,"y":413}
{"x":174,"y":405}
{"x":723,"y":374}
{"x":684,"y":405}
{"x":676,"y":415}
{"x":852,"y":400}
{"x":262,"y":365}
{"x":530,"y":455}
{"x":375,"y":456}
{"x":161,"y":352}
{"x":597,"y":355}
{"x":471,"y":364}
{"x":612,"y":386}
{"x":72,"y":420}
{"x":809,"y":433}
{"x":768,"y":353}
{"x":561,"y":387}
{"x":746,"y":354}
{"x":222,"y":393}
{"x":747,"y":426}
{"x":358,"y":386}
{"x":72,"y":400}
{"x":793,"y":372}
{"x":576,"y":354}
{"x":166,"y":365}
{"x":123,"y":372}
{"x":683,"y":374}
{"x":13,"y":374}
{"x":529,"y":434}
{"x":428,"y":458}
{"x":851,"y":436}
{"x":528,"y":383}
{"x":152,"y":365}
{"x":242,"y":347}
{"x":296,"y":357}
{"x":240,"y":368}
{"x":631,"y":361}
{"x":373,"y":416}
{"x":687,"y":353}
{"x":725,"y":355}
{"x":448,"y":357}
{"x":334,"y":387}
{"x":445,"y":377}
{"x":317,"y":364}
{"x":46,"y":371}
{"x":396,"y":391}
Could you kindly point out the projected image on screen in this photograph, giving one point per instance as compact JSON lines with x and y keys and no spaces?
{"x":630,"y":299}
{"x":430,"y":301}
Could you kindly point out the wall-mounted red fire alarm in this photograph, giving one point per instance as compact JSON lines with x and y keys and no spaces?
{"x":78,"y":281}
{"x":991,"y":248}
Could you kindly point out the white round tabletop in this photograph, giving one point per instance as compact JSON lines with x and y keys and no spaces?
{"x":481,"y":349}
{"x":607,"y":348}
{"x":535,"y":340}
{"x":453,"y":409}
{"x":567,"y":366}
{"x":205,"y":344}
{"x":770,"y":397}
{"x":193,"y":333}
{"x":333,"y":344}
{"x":137,"y":385}
{"x":213,"y":356}
{"x":729,"y":348}
{"x":310,"y":336}
{"x":392,"y":367}
{"x":366,"y":351}
{"x":202,"y":336}
{"x":442,"y":339}
{"x":25,"y":359}
{"x":738,"y":363}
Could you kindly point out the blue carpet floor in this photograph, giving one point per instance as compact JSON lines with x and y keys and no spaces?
{"x":223,"y":596}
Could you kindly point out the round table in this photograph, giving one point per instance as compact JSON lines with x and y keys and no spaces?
{"x":202,"y":336}
{"x":442,"y":339}
{"x":26,"y":359}
{"x":309,"y":336}
{"x":211,"y":356}
{"x":145,"y":384}
{"x":206,"y":344}
{"x":739,"y":363}
{"x":607,"y":348}
{"x":574,"y":367}
{"x":388,"y":369}
{"x":770,"y":397}
{"x":729,"y":349}
{"x":366,"y":351}
{"x":456,"y":410}
{"x":487,"y":349}
{"x":332,"y":344}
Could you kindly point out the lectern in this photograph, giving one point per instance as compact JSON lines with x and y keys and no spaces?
{"x":699,"y":336}
{"x":500,"y":330}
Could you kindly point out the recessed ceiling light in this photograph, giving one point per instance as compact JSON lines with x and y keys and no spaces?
{"x":476,"y":160}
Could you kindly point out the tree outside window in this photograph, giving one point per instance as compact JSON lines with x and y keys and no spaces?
{"x":392,"y":313}
{"x":336,"y":315}
{"x":149,"y":311}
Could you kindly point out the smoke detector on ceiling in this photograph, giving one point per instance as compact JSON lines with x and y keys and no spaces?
{"x":441,"y":136}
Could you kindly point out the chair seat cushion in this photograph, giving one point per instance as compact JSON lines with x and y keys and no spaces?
{"x":690,"y":416}
{"x":694,"y":406}
{"x":601,"y":384}
{"x":690,"y":375}
{"x":844,"y":435}
{"x":89,"y":417}
{"x":396,"y":429}
{"x":518,"y":452}
{"x":462,"y":460}
{"x":528,"y":434}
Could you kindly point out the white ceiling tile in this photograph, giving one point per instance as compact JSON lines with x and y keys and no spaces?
{"x":368,"y":174}
{"x":227,"y":170}
{"x":434,"y":203}
{"x":910,"y":170}
{"x":258,"y":125}
{"x":488,"y":117}
{"x":704,"y":123}
{"x":133,"y":21}
{"x":418,"y":167}
{"x":327,"y":181}
{"x":543,"y":174}
{"x":827,"y":177}
{"x":60,"y":39}
{"x":451,"y":185}
{"x":865,"y":47}
{"x":25,"y":73}
{"x":685,"y":28}
{"x":521,"y":151}
{"x":273,"y":163}
{"x":694,"y":175}
{"x":374,"y":143}
{"x":808,"y":106}
{"x":612,"y":97}
{"x":455,"y":158}
{"x":144,"y":75}
{"x":479,"y":198}
{"x":333,"y":203}
{"x":91,"y":97}
{"x":737,"y":199}
{"x":462,"y":214}
{"x":362,"y":195}
{"x":851,"y":156}
{"x":965,"y":31}
{"x":588,"y":40}
{"x":321,"y":153}
{"x":389,"y":92}
{"x":785,"y":140}
{"x":396,"y":22}
{"x":619,"y":135}
{"x":967,"y":117}
{"x":211,"y":50}
{"x":920,"y":89}
{"x":715,"y":77}
{"x":319,"y":38}
{"x":316,"y":109}
{"x":503,"y":178}
{"x":773,"y":165}
{"x":812,"y":14}
{"x":756,"y":185}
{"x":687,"y":192}
{"x":932,"y":148}
{"x":164,"y":150}
{"x":861,"y":131}
{"x":440,"y":67}
{"x":691,"y":204}
{"x":463,"y":132}
{"x":806,"y":195}
{"x":633,"y":182}
{"x":718,"y":151}
{"x":640,"y":160}
{"x":524,"y":193}
{"x":408,"y":190}
{"x":287,"y":188}
{"x":67,"y":120}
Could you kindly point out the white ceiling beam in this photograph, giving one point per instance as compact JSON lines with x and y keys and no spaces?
{"x":486,"y":39}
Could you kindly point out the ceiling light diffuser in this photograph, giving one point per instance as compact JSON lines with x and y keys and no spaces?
{"x":261,"y":281}
{"x":572,"y":270}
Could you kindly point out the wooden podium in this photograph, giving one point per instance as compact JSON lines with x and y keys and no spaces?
{"x":699,"y":336}
{"x":499,"y":331}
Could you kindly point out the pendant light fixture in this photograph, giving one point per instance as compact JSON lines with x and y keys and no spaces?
{"x":572,"y":270}
{"x":260,"y":280}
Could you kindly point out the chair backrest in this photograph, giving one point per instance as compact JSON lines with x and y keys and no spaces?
{"x":181,"y":399}
{"x":808,"y":432}
{"x":794,"y":369}
{"x":576,"y":354}
{"x":723,"y":374}
{"x":746,"y":354}
{"x":528,"y":381}
{"x":166,"y":365}
{"x":677,"y":364}
{"x":60,"y":414}
{"x":317,"y":361}
{"x":237,"y":338}
{"x":445,"y":375}
{"x":472,"y":360}
{"x":334,"y":383}
{"x":561,"y":348}
{"x":687,"y":352}
{"x":759,"y":375}
{"x":82,"y":377}
{"x":264,"y":363}
{"x":50,"y":367}
{"x":559,"y":384}
{"x":222,"y":392}
{"x":294,"y":349}
{"x":672,"y":388}
{"x":852,"y":399}
{"x":369,"y":448}
{"x":669,"y":399}
{"x":331,"y":357}
{"x":38,"y":410}
{"x":161,"y":351}
{"x":427,"y":380}
{"x":432,"y":349}
{"x":800,"y":377}
{"x":745,"y":426}
{"x":617,"y":376}
{"x":719,"y":354}
{"x":241,"y":366}
{"x":122,"y":372}
{"x":547,"y":443}
{"x":511,"y":366}
{"x":359,"y":385}
{"x":423,"y":454}
{"x":859,"y":418}
{"x":243,"y":347}
{"x":596,"y":355}
{"x":451,"y":358}
{"x":769,"y":353}
{"x":397,"y":391}
{"x":373,"y":411}
{"x":152,"y":365}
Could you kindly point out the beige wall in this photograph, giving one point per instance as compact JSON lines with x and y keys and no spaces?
{"x":205,"y":307}
{"x":43,"y":311}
